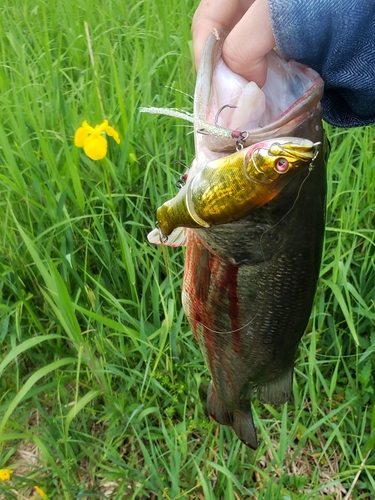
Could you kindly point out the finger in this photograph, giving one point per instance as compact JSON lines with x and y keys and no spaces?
{"x":248,"y":43}
{"x":218,"y":14}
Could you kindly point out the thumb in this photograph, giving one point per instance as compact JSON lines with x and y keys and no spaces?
{"x":249,"y":41}
{"x":215,"y":14}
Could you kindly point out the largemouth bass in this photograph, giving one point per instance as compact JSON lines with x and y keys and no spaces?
{"x":249,"y":284}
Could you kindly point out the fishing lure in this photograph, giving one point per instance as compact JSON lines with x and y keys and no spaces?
{"x":230,"y":187}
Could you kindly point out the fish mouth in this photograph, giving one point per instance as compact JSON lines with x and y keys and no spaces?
{"x":291,"y":94}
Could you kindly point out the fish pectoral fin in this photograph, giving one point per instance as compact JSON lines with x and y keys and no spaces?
{"x":277,"y":391}
{"x":241,"y":421}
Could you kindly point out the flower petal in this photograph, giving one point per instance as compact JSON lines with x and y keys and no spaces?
{"x":112,"y":133}
{"x":40,"y":492}
{"x":87,"y":127}
{"x":95,"y":147}
{"x":101,"y":128}
{"x":80,"y":136}
{"x":5,"y":474}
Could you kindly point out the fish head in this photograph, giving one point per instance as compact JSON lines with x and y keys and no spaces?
{"x":268,"y":161}
{"x":288,"y":105}
{"x":269,"y":124}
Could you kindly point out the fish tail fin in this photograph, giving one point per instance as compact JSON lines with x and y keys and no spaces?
{"x":277,"y":391}
{"x":216,"y":408}
{"x":243,"y":426}
{"x":241,"y":421}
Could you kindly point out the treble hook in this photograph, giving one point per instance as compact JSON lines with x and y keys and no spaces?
{"x":242,"y":138}
{"x":163,"y":238}
{"x":220,"y":110}
{"x":202,"y":131}
{"x":316,"y":152}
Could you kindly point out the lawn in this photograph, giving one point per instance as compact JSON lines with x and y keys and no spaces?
{"x":102,"y":383}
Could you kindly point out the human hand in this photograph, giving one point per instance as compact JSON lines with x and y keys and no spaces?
{"x":250,"y":35}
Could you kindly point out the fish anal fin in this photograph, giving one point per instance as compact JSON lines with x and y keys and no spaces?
{"x":277,"y":391}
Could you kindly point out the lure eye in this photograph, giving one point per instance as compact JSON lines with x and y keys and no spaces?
{"x":281,"y":165}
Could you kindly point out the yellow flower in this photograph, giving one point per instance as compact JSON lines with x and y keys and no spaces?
{"x":92,"y":140}
{"x":5,"y":474}
{"x":40,"y":492}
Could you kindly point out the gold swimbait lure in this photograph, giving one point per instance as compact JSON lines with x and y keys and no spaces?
{"x":232,"y":186}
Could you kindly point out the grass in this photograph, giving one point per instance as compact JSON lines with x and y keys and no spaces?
{"x":102,"y":384}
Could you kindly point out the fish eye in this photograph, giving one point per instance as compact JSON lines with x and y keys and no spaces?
{"x":281,"y":165}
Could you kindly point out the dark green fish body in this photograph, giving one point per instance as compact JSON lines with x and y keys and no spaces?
{"x":249,"y":285}
{"x":249,"y":301}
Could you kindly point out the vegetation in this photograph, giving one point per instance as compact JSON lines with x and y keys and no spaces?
{"x":102,"y":384}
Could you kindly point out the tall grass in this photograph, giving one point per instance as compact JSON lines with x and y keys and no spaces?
{"x":101,"y":381}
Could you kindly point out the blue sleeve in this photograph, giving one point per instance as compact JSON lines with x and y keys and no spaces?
{"x":337,"y":39}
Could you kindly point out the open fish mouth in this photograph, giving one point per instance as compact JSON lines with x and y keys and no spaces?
{"x":223,"y":99}
{"x":232,"y":113}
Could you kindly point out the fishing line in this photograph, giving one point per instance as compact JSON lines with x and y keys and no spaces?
{"x":180,"y":91}
{"x":165,"y":258}
{"x":288,"y":212}
{"x":230,"y":331}
{"x":294,"y":204}
{"x":339,"y":356}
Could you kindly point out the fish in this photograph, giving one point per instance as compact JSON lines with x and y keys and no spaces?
{"x":250,"y":277}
